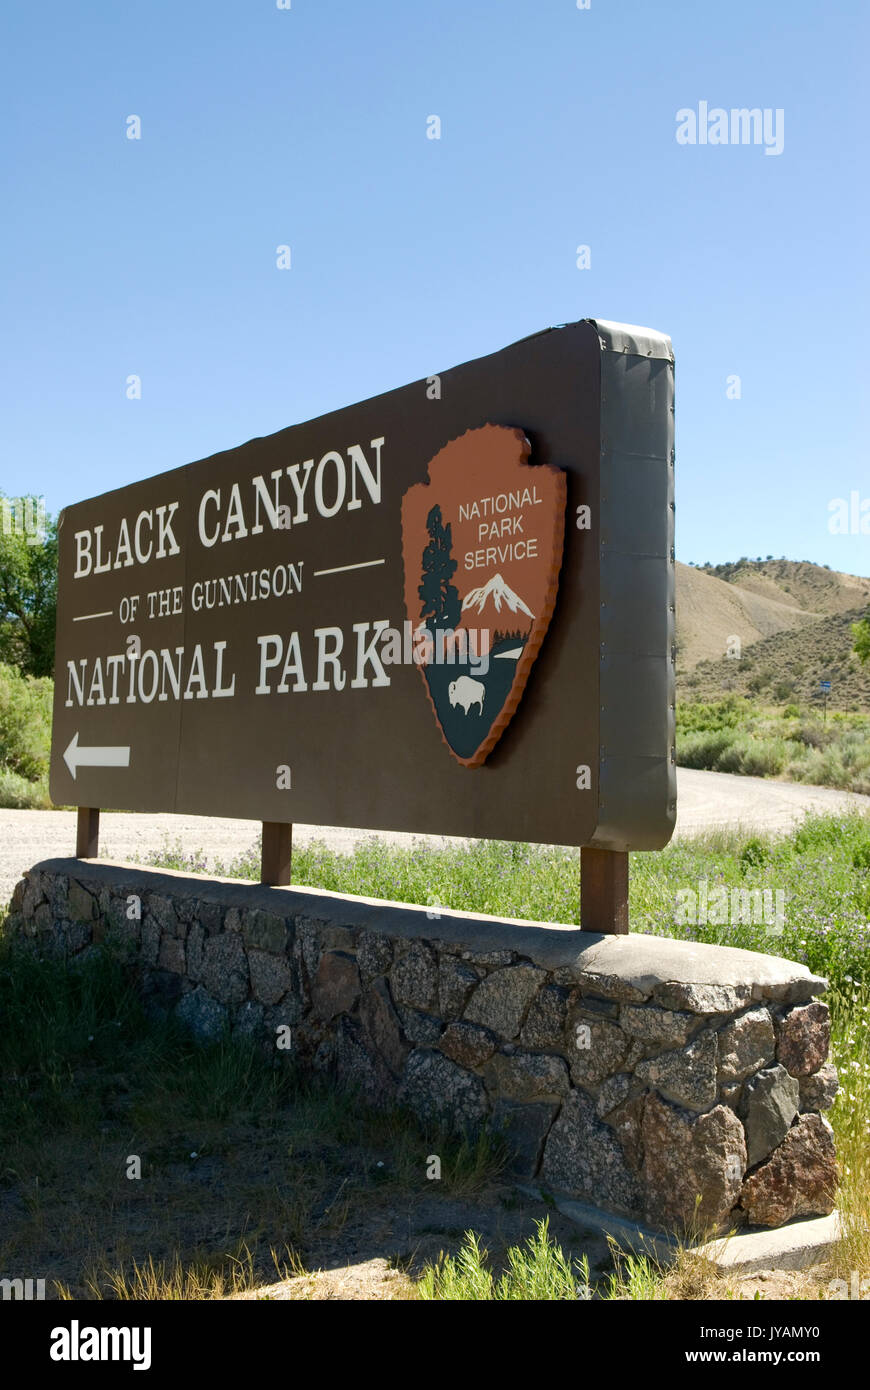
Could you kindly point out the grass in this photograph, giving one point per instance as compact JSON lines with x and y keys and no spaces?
{"x":537,"y":1270}
{"x":18,"y":793}
{"x":735,"y":735}
{"x":225,"y":1275}
{"x":850,"y":1117}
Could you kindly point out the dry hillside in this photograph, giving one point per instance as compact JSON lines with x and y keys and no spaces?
{"x":710,"y":611}
{"x":793,"y":620}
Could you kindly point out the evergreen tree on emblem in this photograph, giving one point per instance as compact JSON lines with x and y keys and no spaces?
{"x":441,"y":604}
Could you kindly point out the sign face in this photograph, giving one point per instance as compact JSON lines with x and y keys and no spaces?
{"x":448,"y":609}
{"x":825,"y":685}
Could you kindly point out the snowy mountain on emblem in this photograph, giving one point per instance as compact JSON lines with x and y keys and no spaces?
{"x":500,"y":593}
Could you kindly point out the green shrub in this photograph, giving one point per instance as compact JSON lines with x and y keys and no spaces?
{"x":699,"y":717}
{"x":824,"y":768}
{"x":854,"y":746}
{"x":18,"y":794}
{"x":823,"y":832}
{"x":761,"y":678}
{"x":537,"y":1271}
{"x":738,"y":736}
{"x":813,"y":735}
{"x":754,"y":853}
{"x":25,"y":723}
{"x":702,"y":750}
{"x":753,"y":757}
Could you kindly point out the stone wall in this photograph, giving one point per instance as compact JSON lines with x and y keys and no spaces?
{"x":635,"y":1073}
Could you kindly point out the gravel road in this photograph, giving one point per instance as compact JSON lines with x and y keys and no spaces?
{"x":705,"y":801}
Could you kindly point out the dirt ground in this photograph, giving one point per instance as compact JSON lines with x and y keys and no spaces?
{"x":334,"y":1214}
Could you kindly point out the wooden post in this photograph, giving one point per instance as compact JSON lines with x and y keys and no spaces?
{"x":277,"y":853}
{"x":604,"y":891}
{"x":88,"y":832}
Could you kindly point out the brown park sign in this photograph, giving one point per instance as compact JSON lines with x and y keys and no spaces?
{"x":446,"y":609}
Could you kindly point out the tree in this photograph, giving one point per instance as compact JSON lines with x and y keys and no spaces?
{"x":28,"y":588}
{"x":861,"y":634}
{"x":441,"y":605}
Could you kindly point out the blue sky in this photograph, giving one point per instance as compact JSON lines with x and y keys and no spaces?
{"x":307,"y":127}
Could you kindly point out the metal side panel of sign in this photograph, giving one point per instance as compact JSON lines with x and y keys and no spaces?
{"x":448,"y":609}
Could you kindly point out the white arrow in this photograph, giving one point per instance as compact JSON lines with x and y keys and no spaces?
{"x":76,"y":757}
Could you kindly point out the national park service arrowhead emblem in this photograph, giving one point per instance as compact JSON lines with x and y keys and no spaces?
{"x":482,"y":547}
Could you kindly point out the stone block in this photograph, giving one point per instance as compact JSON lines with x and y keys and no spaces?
{"x":500,"y":1001}
{"x":803,"y":1039}
{"x":224,"y":968}
{"x":271,"y":976}
{"x":583,"y":1158}
{"x":746,"y":1045}
{"x":524,"y":1129}
{"x":799,"y":1178}
{"x":526,"y":1076}
{"x":414,"y":978}
{"x":336,"y":986}
{"x":467,"y":1044}
{"x":547,"y":1018}
{"x":693,"y":1166}
{"x":686,"y":1076}
{"x":204,"y":1016}
{"x":819,"y":1091}
{"x":436,"y":1089}
{"x":768,"y":1106}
